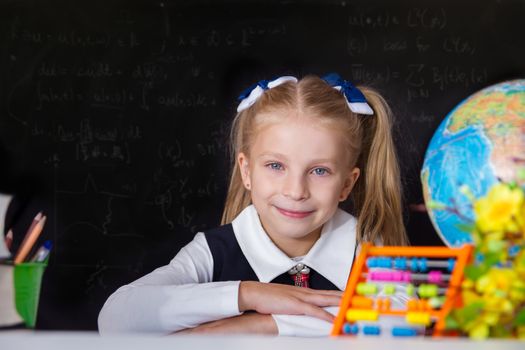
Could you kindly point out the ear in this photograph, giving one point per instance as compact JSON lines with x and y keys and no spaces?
{"x":244,"y":168}
{"x":351,"y":179}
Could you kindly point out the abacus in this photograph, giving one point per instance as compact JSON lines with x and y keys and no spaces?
{"x":432,"y":279}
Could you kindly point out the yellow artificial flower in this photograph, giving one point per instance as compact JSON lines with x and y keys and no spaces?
{"x":479,"y":331}
{"x":499,"y":209}
{"x":496,"y":279}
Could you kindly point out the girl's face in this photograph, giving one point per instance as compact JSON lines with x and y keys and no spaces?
{"x":297,"y":171}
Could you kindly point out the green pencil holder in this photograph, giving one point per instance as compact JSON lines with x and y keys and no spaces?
{"x":28,"y":279}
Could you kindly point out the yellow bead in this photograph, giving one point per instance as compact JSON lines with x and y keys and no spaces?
{"x":361,"y":315}
{"x":422,"y":318}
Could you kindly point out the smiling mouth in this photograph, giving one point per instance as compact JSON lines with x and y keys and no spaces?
{"x":294,"y":214}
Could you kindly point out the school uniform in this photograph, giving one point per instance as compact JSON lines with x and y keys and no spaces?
{"x":201,"y":283}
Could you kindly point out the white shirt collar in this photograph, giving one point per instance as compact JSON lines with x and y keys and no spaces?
{"x":331,"y":256}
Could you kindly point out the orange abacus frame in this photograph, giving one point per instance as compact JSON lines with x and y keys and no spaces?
{"x":453,"y":295}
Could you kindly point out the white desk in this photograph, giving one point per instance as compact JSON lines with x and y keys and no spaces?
{"x":22,"y":340}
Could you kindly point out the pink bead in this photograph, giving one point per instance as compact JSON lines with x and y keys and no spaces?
{"x":406,"y":276}
{"x":434,"y":276}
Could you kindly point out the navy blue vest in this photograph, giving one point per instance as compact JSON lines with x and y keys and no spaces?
{"x":230,"y":264}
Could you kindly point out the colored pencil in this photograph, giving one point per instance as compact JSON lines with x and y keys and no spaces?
{"x":29,"y":241}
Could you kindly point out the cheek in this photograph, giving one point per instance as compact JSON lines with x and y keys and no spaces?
{"x":328,"y":191}
{"x":262,"y":184}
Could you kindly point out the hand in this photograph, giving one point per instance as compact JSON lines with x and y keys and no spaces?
{"x":273,"y":298}
{"x":248,"y":323}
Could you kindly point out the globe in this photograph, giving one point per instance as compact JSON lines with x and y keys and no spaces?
{"x":480,"y":142}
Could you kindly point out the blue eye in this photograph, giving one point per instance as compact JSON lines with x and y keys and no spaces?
{"x":275,"y":166}
{"x":320,"y":171}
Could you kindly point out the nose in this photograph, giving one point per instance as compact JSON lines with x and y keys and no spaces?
{"x":295,"y":187}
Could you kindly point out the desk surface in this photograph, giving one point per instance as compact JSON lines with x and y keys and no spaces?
{"x":21,"y":340}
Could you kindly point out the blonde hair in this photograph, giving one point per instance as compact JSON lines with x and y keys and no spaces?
{"x":376,"y":196}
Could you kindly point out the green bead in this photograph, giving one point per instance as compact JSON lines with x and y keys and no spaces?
{"x":436,"y":302}
{"x":428,"y":290}
{"x":366,"y":289}
{"x":410,"y":289}
{"x":389,"y":289}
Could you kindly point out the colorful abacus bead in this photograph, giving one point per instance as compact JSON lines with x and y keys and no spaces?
{"x":419,"y":318}
{"x":412,"y":304}
{"x":400,"y":263}
{"x":422,"y":264}
{"x":361,"y":302}
{"x":366,"y":288}
{"x":382,"y":304}
{"x":436,"y":302}
{"x":350,"y":328}
{"x":413,"y":264}
{"x":435,"y":276}
{"x":371,"y":330}
{"x":397,"y":276}
{"x":378,"y":262}
{"x":410,"y":289}
{"x":389,"y":289}
{"x":451,"y":264}
{"x":404,"y":332}
{"x":362,"y":315}
{"x":427,"y":290}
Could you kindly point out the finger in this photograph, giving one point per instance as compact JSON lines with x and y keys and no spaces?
{"x":320,"y":291}
{"x":322,"y":300}
{"x":315,"y":311}
{"x":329,"y":292}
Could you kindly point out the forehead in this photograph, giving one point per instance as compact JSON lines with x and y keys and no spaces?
{"x":301,"y":138}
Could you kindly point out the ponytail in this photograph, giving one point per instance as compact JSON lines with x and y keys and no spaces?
{"x":377,"y":194}
{"x":238,"y":197}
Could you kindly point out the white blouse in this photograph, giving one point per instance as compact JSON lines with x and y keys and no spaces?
{"x":182,"y":295}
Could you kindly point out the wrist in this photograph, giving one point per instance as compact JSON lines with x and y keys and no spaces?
{"x":244,"y":299}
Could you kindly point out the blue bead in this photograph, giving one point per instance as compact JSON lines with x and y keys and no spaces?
{"x":451,"y":264}
{"x":423,"y":264}
{"x":413,"y":264}
{"x":349,"y":328}
{"x":371,"y":330}
{"x":371,"y":262}
{"x":385,"y":262}
{"x":400,"y":263}
{"x":404,"y":332}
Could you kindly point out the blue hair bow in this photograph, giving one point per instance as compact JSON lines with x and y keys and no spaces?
{"x":354,"y":97}
{"x":249,"y":96}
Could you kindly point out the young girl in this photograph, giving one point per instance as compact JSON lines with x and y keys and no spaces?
{"x":282,"y":257}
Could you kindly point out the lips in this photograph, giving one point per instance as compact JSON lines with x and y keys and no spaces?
{"x":294,"y":214}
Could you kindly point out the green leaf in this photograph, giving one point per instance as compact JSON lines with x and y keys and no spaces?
{"x":519,"y":320}
{"x":500,"y":331}
{"x":469,"y":313}
{"x":451,"y":323}
{"x":473,"y":272}
{"x":493,"y":258}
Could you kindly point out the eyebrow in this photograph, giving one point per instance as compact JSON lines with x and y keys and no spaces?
{"x":282,"y":156}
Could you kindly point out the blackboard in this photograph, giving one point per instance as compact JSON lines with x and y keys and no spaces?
{"x":114,"y":115}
